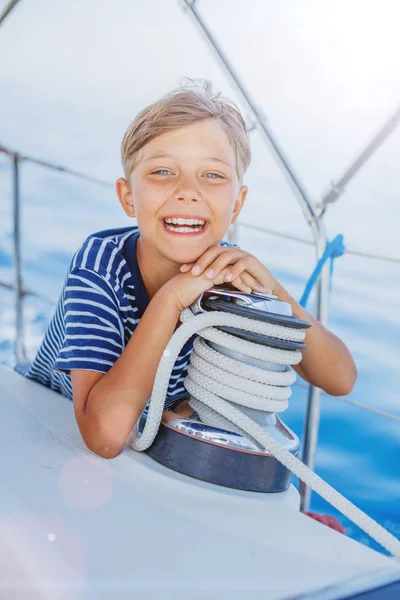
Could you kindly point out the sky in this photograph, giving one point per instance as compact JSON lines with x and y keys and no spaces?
{"x":325,"y":73}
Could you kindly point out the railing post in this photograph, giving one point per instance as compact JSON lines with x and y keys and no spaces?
{"x":17,"y":285}
{"x":313,"y":415}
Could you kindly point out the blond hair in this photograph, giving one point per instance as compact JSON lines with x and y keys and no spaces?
{"x":179,"y":108}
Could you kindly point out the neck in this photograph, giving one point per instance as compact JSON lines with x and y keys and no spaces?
{"x":154,"y":268}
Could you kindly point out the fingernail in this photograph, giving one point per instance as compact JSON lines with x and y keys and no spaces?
{"x":229,"y":277}
{"x":196,"y":270}
{"x":266,"y":290}
{"x":248,"y":290}
{"x":210,"y":273}
{"x":183,"y":267}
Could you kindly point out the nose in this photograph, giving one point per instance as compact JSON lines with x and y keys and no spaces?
{"x":187,"y":190}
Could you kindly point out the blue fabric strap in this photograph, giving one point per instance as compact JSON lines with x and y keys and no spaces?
{"x":333,"y":249}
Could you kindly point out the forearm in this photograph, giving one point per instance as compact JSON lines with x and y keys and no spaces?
{"x":118,"y":398}
{"x":327,"y":362}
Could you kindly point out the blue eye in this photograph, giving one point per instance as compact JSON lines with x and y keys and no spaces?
{"x":167,"y":171}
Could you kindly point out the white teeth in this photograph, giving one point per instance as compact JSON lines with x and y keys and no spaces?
{"x":181,"y":221}
{"x":180,"y":229}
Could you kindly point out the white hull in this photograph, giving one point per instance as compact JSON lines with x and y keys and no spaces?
{"x":74,"y":525}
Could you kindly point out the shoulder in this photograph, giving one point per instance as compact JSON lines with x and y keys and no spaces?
{"x":102,"y":252}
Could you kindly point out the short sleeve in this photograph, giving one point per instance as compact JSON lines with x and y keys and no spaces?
{"x":94,"y":332}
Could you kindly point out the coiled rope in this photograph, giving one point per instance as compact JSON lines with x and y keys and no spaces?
{"x":217,"y":383}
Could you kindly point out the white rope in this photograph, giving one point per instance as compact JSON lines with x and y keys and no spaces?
{"x":218,"y":383}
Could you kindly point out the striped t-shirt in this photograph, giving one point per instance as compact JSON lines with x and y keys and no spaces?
{"x":102,"y":301}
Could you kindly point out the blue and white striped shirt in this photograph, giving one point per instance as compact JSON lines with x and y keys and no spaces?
{"x":101,"y":303}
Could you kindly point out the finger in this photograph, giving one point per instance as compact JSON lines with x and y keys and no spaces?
{"x":219,"y":279}
{"x":250,"y":281}
{"x":205,"y":261}
{"x":230,"y":257}
{"x":243,"y":264}
{"x":241,"y":285}
{"x":186,"y":267}
{"x":238,"y":283}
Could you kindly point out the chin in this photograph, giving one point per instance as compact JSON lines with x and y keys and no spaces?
{"x":184,"y":255}
{"x":184,"y":251}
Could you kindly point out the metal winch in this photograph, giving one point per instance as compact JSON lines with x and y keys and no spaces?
{"x":224,"y":455}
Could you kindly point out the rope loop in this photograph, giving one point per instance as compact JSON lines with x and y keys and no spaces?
{"x":229,"y":393}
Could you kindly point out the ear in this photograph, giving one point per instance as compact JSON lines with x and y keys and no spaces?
{"x":125,"y":196}
{"x":237,"y":207}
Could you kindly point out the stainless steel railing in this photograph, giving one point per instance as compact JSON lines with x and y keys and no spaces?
{"x":16,"y":159}
{"x":7,"y":10}
{"x":19,"y":323}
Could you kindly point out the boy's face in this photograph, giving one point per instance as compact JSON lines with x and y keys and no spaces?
{"x":197,"y":180}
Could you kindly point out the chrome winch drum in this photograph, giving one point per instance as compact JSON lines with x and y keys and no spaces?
{"x":217,"y":455}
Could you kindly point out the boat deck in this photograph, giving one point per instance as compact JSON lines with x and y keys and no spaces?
{"x":76,"y":526}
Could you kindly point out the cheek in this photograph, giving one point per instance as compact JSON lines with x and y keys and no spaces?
{"x":148,"y":202}
{"x":222,"y":206}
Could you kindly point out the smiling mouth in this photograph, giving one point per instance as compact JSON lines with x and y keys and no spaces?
{"x":179,"y":225}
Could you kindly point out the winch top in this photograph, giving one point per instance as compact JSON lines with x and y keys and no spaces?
{"x":257,"y":305}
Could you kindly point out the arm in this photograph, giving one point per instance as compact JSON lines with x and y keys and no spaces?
{"x":108,"y":405}
{"x":326,"y":363}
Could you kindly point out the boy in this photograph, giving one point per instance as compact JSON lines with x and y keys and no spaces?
{"x":184,"y":158}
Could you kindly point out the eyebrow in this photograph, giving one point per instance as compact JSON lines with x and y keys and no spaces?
{"x":214,"y":158}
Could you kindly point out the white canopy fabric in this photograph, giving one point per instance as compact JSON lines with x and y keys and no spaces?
{"x":75,"y":74}
{"x":76,"y":526}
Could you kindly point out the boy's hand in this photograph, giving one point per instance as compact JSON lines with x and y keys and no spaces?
{"x":235,"y":266}
{"x":185,"y":289}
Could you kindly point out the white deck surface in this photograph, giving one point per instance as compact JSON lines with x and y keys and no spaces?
{"x":75,"y":526}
